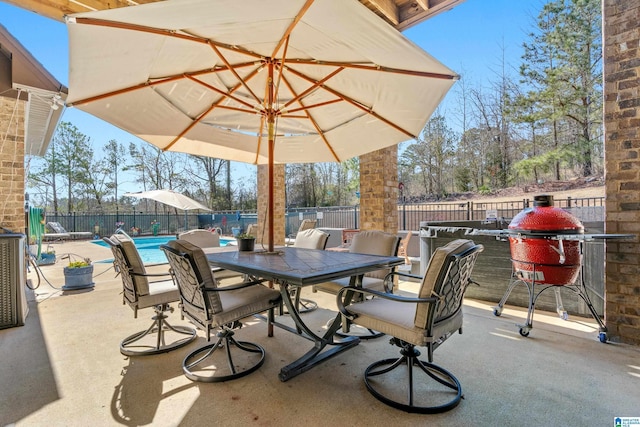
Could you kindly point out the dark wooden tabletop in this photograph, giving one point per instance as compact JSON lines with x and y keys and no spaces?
{"x":301,"y":267}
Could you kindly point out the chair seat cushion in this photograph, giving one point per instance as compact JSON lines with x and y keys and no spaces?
{"x":397,"y":319}
{"x":159,"y":293}
{"x":334,"y":286}
{"x":220,"y":273}
{"x":245,"y":302}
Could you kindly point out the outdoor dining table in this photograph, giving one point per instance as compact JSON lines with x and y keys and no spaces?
{"x":290,"y":267}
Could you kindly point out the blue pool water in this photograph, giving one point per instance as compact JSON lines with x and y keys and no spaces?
{"x":149,"y":248}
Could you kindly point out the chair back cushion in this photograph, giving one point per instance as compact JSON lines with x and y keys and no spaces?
{"x":436,"y":274}
{"x":311,"y":239}
{"x":307,"y":224}
{"x":202,"y":272}
{"x":201,"y":238}
{"x":375,"y":242}
{"x":134,"y":263}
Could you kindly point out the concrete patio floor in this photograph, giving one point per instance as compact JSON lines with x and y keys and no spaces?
{"x":64,"y":368}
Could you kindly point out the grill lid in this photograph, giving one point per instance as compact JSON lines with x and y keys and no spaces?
{"x":545,"y":220}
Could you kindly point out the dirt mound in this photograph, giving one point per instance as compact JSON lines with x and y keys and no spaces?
{"x":576,"y":188}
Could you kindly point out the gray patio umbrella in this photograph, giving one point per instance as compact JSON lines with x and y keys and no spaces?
{"x":171,"y":198}
{"x":262,"y":82}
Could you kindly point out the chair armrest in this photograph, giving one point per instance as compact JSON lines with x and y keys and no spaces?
{"x":389,"y":277}
{"x":385,"y":295}
{"x":403,"y":274}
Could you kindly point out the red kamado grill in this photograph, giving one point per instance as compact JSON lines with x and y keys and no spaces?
{"x":538,"y":252}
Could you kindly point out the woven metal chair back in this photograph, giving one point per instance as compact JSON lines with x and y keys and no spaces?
{"x":447,"y":277}
{"x":189,"y":281}
{"x":123,"y":266}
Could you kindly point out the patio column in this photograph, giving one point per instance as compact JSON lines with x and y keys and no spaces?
{"x":278,"y":204}
{"x":379,"y":190}
{"x":12,"y":116}
{"x":622,"y":165}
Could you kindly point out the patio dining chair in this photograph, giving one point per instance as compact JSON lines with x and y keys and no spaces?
{"x":207,"y":239}
{"x":426,"y":320}
{"x":371,"y":242}
{"x":252,"y":230}
{"x":347,"y":236}
{"x":311,"y":238}
{"x":305,"y":224}
{"x":139,"y":291}
{"x":209,"y":307}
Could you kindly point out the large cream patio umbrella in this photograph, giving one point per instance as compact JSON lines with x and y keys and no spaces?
{"x":256,"y":81}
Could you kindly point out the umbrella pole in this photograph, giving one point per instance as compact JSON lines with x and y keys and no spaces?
{"x":270,"y":126}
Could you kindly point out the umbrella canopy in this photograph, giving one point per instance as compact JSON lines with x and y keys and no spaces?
{"x":263,"y":82}
{"x":171,"y":198}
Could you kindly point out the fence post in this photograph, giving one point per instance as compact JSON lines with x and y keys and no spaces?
{"x":469,"y":210}
{"x":404,"y":213}
{"x":355,"y":216}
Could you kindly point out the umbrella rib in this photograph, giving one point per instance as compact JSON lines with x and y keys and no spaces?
{"x":162,"y":32}
{"x":233,"y":71}
{"x":163,"y":80}
{"x":312,"y":120}
{"x":188,"y":128}
{"x":139,"y":28}
{"x":355,"y":104}
{"x":291,"y":26}
{"x":284,"y":57}
{"x":224,"y":94}
{"x":376,"y":68}
{"x":214,"y":105}
{"x":315,"y":84}
{"x":286,"y":113}
{"x":124,"y":90}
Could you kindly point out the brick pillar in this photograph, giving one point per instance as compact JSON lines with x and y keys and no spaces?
{"x":12,"y":164}
{"x":278,"y":204}
{"x":622,"y":165}
{"x":379,"y":190}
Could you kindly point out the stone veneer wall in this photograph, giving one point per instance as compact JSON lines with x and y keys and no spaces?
{"x":379,"y":190}
{"x":12,"y":164}
{"x":621,"y":34}
{"x":278,"y":204}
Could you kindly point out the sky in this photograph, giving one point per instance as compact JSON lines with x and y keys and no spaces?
{"x":470,"y":39}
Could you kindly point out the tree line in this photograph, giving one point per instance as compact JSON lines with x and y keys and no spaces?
{"x":537,"y":120}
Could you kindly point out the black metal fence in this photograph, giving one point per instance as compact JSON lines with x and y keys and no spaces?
{"x":410,"y":215}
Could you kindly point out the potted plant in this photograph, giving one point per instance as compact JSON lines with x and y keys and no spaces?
{"x":246,"y":242}
{"x":47,"y":257}
{"x":78,"y":275}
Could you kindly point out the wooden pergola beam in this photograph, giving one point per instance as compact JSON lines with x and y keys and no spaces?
{"x":401,"y":14}
{"x":416,"y":11}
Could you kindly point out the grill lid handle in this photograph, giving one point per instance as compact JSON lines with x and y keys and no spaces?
{"x":543,"y":200}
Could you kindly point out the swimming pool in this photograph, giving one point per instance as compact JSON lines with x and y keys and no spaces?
{"x":149,"y":248}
